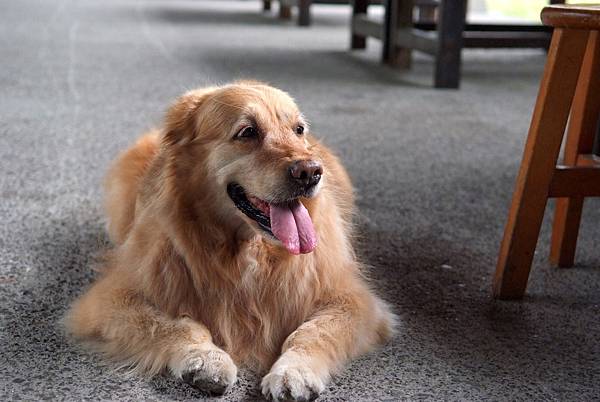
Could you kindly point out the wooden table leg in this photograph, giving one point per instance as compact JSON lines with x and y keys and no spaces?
{"x":583,"y":121}
{"x":451,"y":25}
{"x":304,"y":12}
{"x":425,"y":12}
{"x":539,"y":160}
{"x":358,"y":41}
{"x":285,"y":11}
{"x":398,"y":15}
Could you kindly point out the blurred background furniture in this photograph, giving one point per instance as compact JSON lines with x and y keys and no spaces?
{"x":304,"y":13}
{"x":304,"y":17}
{"x":569,"y":91}
{"x":440,"y":30}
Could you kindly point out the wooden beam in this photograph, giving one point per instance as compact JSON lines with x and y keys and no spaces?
{"x":506,"y":39}
{"x":419,"y":40}
{"x":491,"y":27}
{"x":364,"y":26}
{"x":569,"y":181}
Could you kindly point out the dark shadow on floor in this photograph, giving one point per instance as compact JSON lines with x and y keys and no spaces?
{"x":281,"y":64}
{"x":68,"y":253}
{"x":179,"y":14}
{"x":442,"y":292}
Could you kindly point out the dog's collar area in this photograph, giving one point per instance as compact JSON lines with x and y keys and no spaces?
{"x":241,"y":201}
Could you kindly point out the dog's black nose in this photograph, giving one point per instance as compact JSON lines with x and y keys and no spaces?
{"x":306,"y":173}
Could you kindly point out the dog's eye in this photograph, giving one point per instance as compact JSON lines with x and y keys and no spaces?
{"x":300,"y":130}
{"x":247,"y":132}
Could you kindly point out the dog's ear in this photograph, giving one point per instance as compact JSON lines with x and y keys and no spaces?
{"x":179,"y":121}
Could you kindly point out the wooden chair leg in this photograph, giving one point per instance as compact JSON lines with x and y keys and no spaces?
{"x":304,"y":12}
{"x":398,"y":15}
{"x":266,"y":5}
{"x":580,"y":140}
{"x":358,"y":41}
{"x":539,"y":161}
{"x":451,"y":25}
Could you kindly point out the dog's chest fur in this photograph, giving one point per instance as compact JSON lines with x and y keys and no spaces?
{"x":250,"y":301}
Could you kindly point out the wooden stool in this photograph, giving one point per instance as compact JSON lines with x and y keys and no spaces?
{"x":570,"y":85}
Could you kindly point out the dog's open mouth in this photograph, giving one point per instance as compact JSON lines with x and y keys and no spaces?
{"x":288,"y":222}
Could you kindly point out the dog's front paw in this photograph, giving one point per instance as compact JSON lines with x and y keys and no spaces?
{"x":211,"y":371}
{"x":291,"y":379}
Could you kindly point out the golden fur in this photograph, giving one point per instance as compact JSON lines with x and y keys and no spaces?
{"x":191,"y":285}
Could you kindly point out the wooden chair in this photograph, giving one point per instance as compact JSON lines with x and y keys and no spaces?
{"x":569,"y":91}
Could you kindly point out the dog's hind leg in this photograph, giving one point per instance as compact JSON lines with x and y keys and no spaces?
{"x":127,"y":329}
{"x":121,"y":185}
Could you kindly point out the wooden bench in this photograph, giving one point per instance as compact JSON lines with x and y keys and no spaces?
{"x":444,"y":38}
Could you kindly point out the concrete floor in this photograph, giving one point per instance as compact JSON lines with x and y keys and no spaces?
{"x":434,"y":171}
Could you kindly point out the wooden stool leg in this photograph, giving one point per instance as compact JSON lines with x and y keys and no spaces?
{"x":580,"y":140}
{"x":539,"y":160}
{"x":596,"y":147}
{"x":358,"y":41}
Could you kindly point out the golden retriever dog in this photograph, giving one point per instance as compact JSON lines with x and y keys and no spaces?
{"x":232,"y":246}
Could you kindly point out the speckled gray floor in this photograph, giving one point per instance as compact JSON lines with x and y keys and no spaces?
{"x":434,"y":171}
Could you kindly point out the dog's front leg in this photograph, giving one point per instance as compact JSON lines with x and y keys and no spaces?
{"x":200,"y":362}
{"x":341,"y":329}
{"x":123,"y":325}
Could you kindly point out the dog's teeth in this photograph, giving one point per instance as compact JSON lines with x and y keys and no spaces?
{"x":263,"y":206}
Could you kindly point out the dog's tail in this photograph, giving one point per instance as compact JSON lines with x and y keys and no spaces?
{"x":122,"y":183}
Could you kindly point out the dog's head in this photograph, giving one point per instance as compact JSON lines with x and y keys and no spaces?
{"x":248,"y":147}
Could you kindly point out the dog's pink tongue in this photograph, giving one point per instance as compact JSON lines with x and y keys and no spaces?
{"x":292,"y":225}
